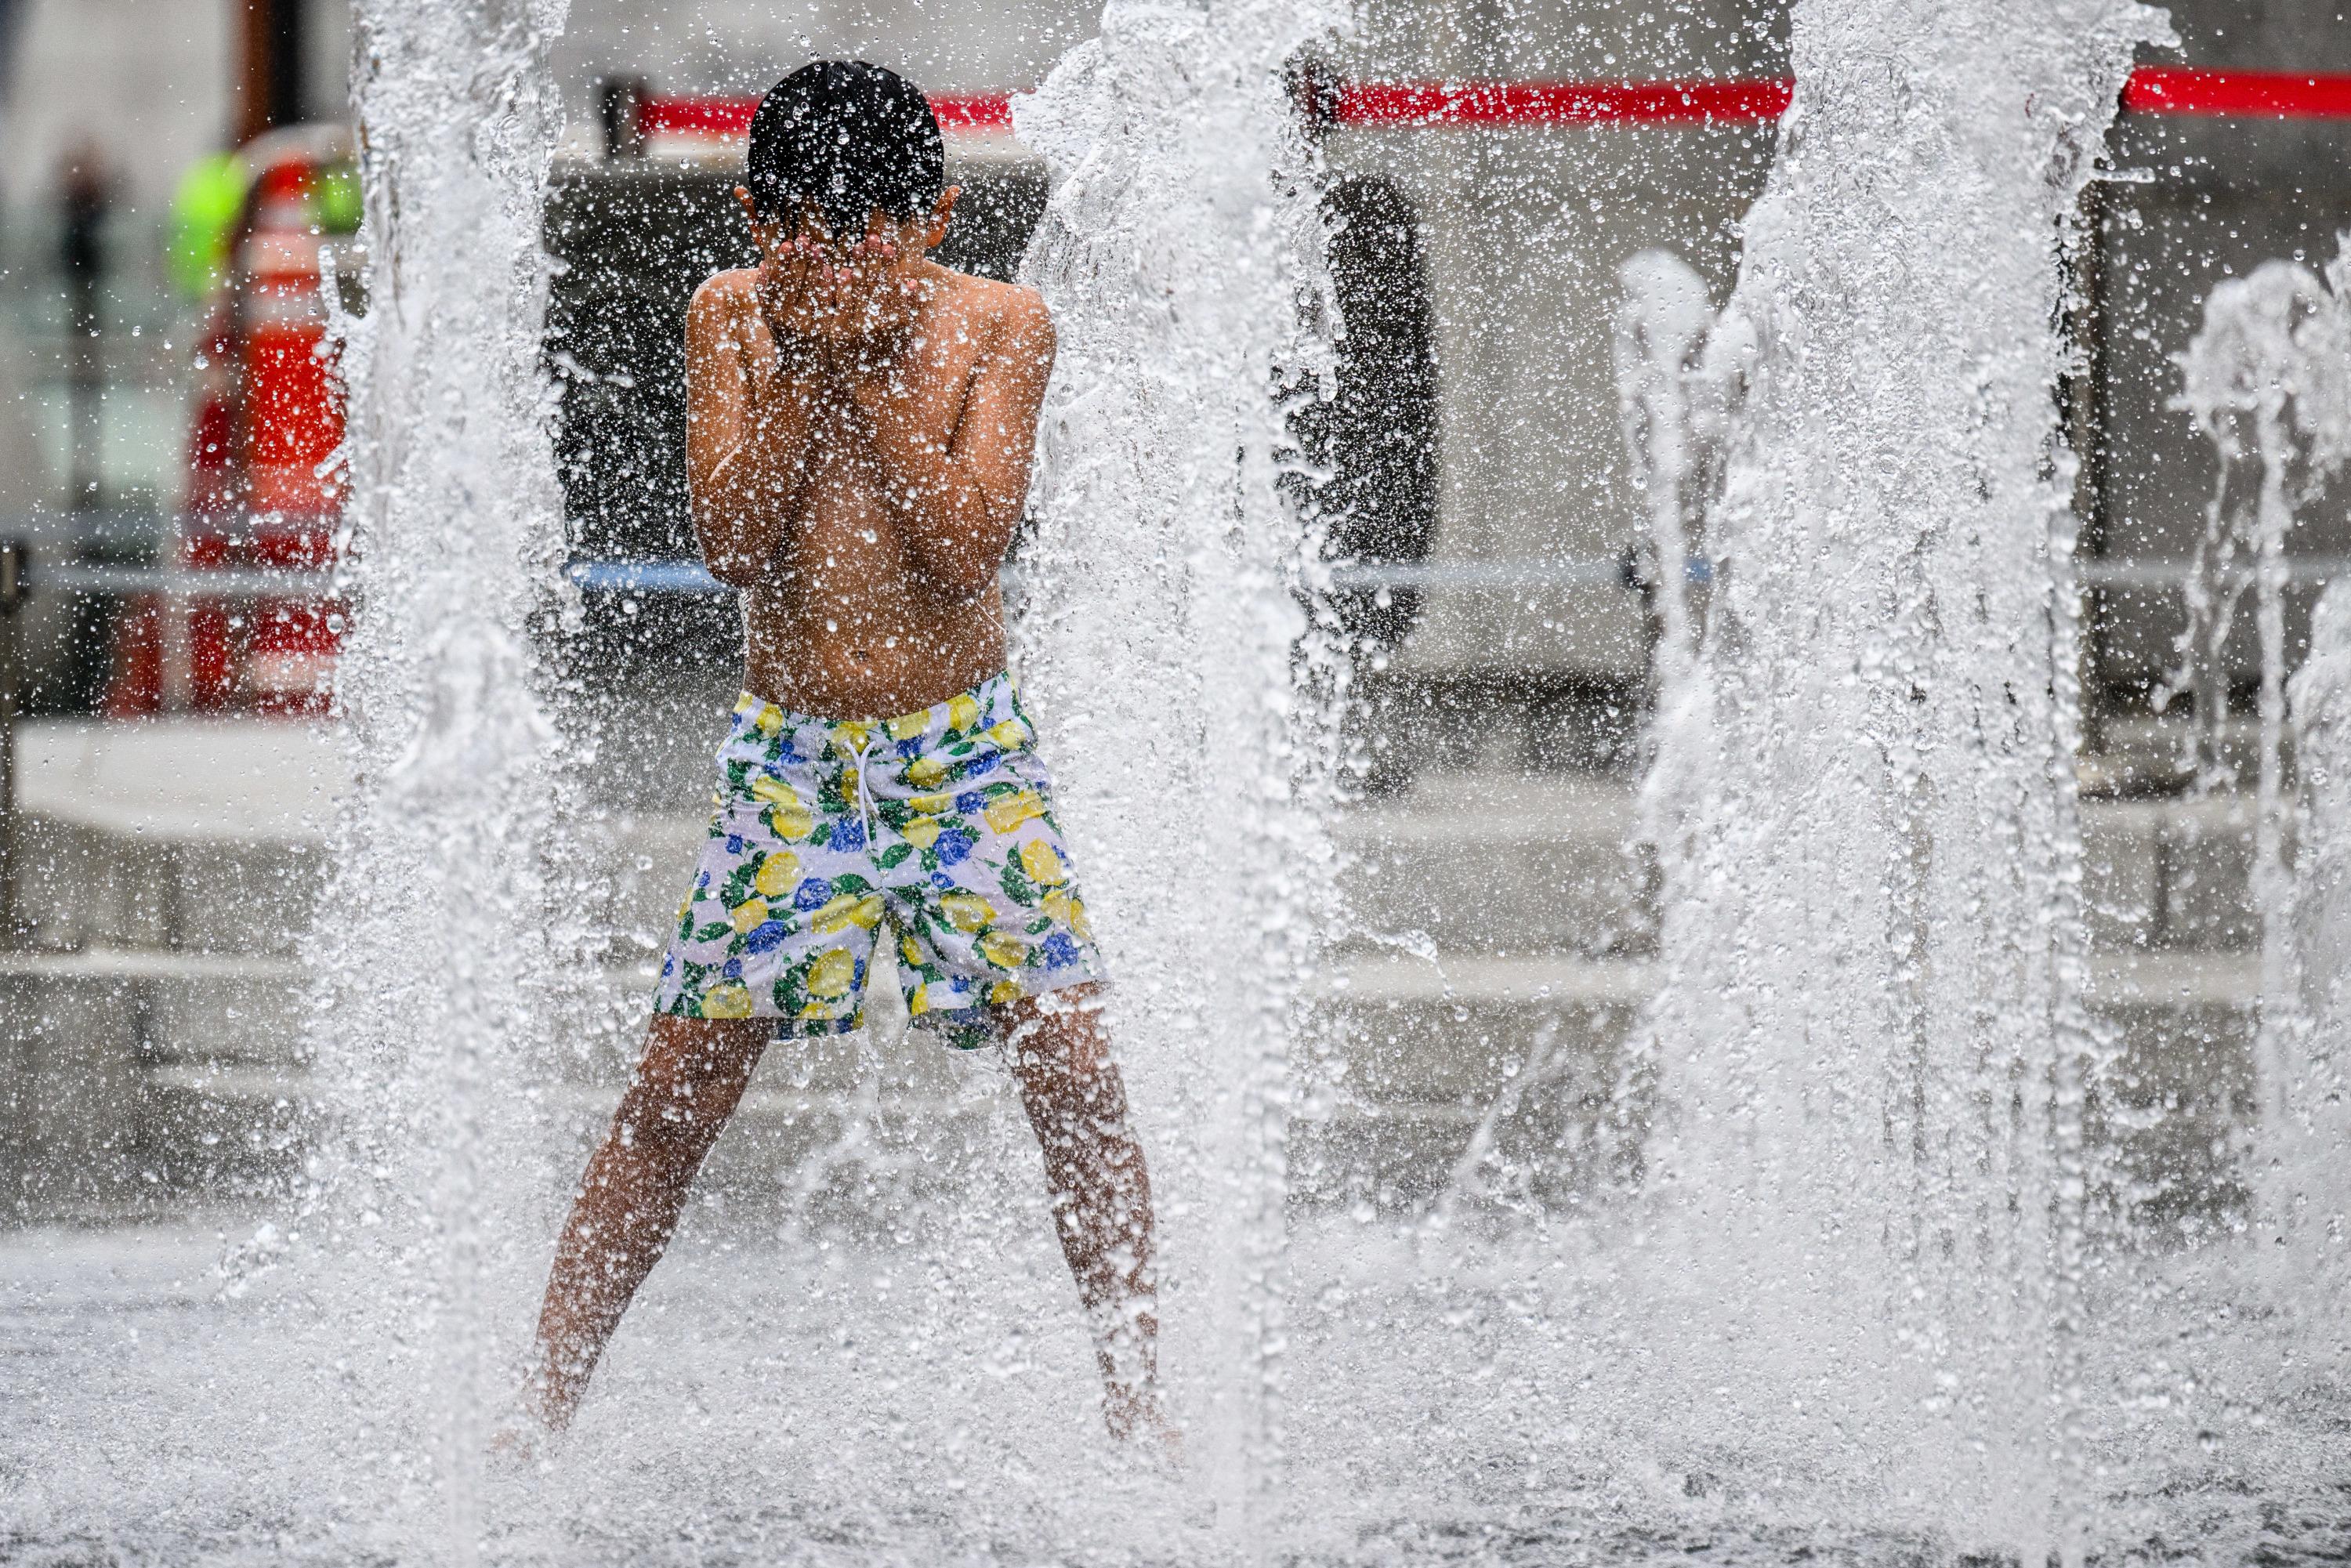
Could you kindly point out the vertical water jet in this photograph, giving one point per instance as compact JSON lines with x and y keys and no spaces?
{"x":1180,"y":252}
{"x":1872,"y":1031}
{"x":443,"y":974}
{"x":2268,"y":381}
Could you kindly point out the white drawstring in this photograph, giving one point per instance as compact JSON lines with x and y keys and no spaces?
{"x":865,"y":794}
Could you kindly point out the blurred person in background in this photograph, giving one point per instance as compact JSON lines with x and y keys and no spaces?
{"x":84,"y":193}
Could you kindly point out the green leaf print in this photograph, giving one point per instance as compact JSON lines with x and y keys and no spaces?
{"x":738,"y":883}
{"x":1039,"y":926}
{"x":714,"y":931}
{"x":849,"y":882}
{"x":889,"y":859}
{"x":1017,"y":885}
{"x":930,"y":861}
{"x":998,"y":788}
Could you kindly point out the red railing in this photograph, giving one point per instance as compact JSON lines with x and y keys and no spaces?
{"x":1400,"y":103}
{"x":2152,"y":89}
{"x":732,"y":116}
{"x":2264,"y":95}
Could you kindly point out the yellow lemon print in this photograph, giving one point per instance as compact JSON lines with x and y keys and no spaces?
{"x":965,"y":911}
{"x":833,"y":974}
{"x":1079,"y":924}
{"x":730,"y":1000}
{"x":846,"y":910}
{"x":770,"y":719}
{"x":1003,"y":949}
{"x":922,"y":832}
{"x":909,"y":952}
{"x":1003,"y":991}
{"x":919,"y":1003}
{"x":791,"y":820}
{"x":749,"y":915}
{"x":963,"y":712}
{"x":1043,"y":864}
{"x":850,"y":736}
{"x":1007,"y":812}
{"x":931,"y":805}
{"x":684,"y":904}
{"x":908,"y":725}
{"x":779,"y":874}
{"x":924,"y":771}
{"x":1011,"y":734}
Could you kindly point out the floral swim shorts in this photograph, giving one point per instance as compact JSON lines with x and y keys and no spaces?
{"x":933,"y":830}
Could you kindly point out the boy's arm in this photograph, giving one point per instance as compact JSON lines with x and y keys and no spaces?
{"x":958,"y":500}
{"x":746,"y":429}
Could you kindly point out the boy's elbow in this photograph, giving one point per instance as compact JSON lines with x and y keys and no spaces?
{"x":736,"y":570}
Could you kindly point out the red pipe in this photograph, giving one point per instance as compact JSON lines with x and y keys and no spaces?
{"x":1560,"y":104}
{"x":2266,"y":95}
{"x":1404,"y":105}
{"x":732,"y":116}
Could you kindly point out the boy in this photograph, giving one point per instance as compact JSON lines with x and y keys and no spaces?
{"x":859,"y":430}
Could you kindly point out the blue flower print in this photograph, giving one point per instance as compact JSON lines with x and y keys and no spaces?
{"x":812,"y":893}
{"x":1060,"y":950}
{"x":849,"y":835}
{"x":954,"y":844}
{"x":969,"y":802}
{"x":763,"y":937}
{"x":734,"y":843}
{"x":734,"y":969}
{"x":910,"y":749}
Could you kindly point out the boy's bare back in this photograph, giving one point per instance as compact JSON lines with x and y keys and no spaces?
{"x":860,"y":426}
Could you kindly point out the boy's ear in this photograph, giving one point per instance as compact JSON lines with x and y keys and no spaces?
{"x":941,"y":211}
{"x":759,"y":225}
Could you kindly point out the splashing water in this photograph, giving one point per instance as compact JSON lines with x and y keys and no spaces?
{"x":444,"y":981}
{"x":1176,"y":252}
{"x":2268,"y":379}
{"x":1848,"y":1292}
{"x":1871,"y":1036}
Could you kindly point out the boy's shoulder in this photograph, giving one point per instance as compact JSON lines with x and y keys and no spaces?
{"x":728,"y":288}
{"x":999,"y":306}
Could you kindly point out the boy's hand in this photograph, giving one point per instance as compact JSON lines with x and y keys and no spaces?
{"x":820,"y":297}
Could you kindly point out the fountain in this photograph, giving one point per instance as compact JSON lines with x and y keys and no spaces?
{"x":1871,"y":1036}
{"x":2268,"y":379}
{"x":1161,"y":631}
{"x":1863,"y":1283}
{"x":444,"y":988}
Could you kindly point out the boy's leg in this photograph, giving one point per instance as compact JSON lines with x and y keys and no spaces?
{"x":689,"y":1083}
{"x":1101,"y":1193}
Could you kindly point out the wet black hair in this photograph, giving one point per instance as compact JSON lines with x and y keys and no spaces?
{"x":845,"y":138}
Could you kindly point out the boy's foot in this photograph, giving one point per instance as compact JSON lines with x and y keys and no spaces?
{"x":522,"y":1443}
{"x":514,"y":1449}
{"x":1136,"y":1421}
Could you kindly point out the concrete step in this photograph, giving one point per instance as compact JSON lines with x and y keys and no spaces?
{"x":138,"y":1069}
{"x":156,"y":1040}
{"x":208,"y":836}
